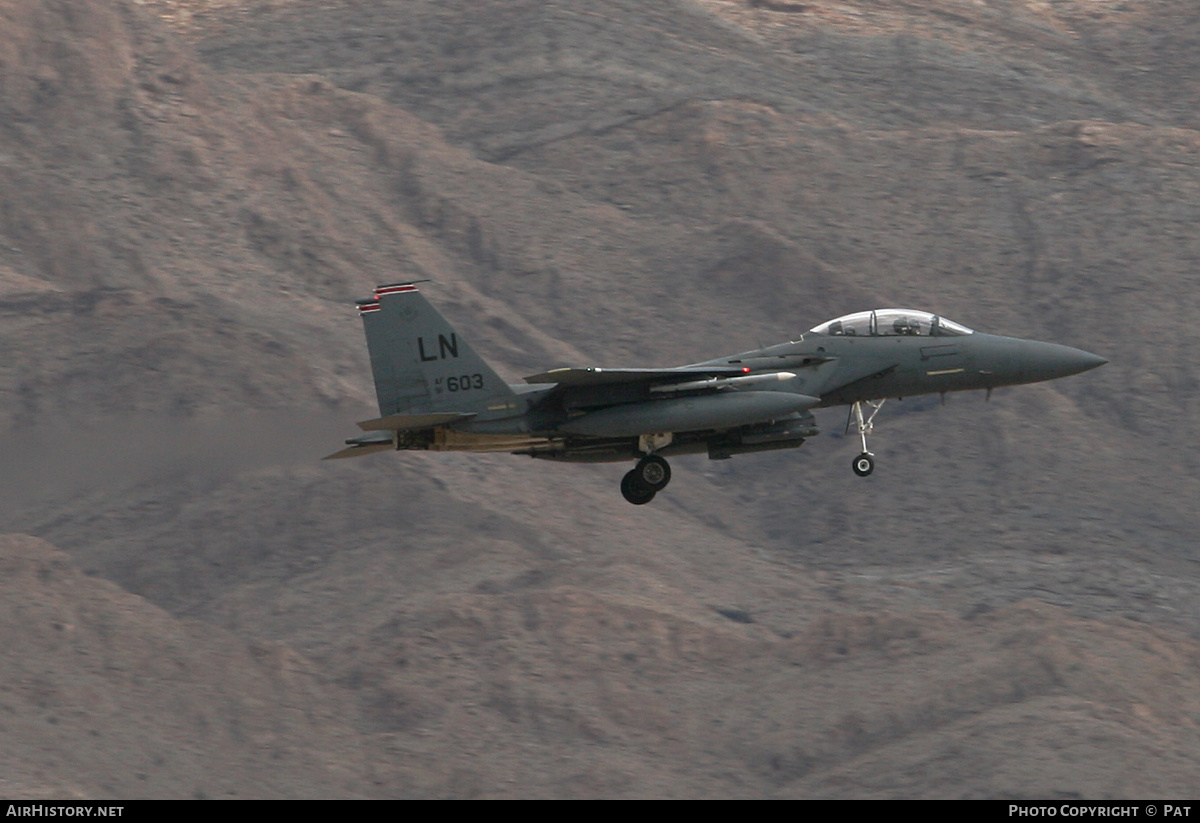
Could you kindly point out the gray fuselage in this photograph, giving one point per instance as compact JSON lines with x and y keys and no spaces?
{"x":862,"y":368}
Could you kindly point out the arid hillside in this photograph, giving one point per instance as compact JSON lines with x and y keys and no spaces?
{"x":192,"y":194}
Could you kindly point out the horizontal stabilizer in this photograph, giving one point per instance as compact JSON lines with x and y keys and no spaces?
{"x":406,"y":422}
{"x":608,"y":377}
{"x":364,"y":444}
{"x":359,"y":450}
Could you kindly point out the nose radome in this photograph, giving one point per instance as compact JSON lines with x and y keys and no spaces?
{"x":1089,"y":360}
{"x":1051,"y":360}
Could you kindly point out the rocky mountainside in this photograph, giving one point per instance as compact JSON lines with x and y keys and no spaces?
{"x":193,"y":192}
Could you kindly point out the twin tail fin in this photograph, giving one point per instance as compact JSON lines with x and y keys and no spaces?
{"x":421,"y":364}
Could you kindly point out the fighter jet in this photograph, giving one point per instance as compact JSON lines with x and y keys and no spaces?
{"x":436,"y":394}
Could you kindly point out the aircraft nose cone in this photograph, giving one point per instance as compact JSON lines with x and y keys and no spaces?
{"x":1090,"y":361}
{"x":1047,"y":361}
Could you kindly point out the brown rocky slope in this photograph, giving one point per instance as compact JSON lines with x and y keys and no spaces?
{"x":189,"y":202}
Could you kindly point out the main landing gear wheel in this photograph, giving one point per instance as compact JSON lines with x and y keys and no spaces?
{"x":635,"y":489}
{"x":864,"y":464}
{"x":654,"y":472}
{"x":650,"y":476}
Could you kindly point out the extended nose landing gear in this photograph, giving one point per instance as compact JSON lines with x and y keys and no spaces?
{"x":650,"y":476}
{"x":864,"y":464}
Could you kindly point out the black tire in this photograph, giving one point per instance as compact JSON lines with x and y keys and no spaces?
{"x":654,"y":472}
{"x":634,"y":490}
{"x":864,"y":464}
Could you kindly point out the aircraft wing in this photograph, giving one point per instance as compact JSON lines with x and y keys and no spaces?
{"x":609,"y":377}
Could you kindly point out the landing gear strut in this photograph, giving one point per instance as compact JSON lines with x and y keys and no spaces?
{"x":864,"y":464}
{"x":650,"y":476}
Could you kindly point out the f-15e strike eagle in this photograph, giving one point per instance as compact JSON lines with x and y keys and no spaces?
{"x":435,"y":393}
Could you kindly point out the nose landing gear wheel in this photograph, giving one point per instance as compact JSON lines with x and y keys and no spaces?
{"x":635,"y":490}
{"x":864,"y":464}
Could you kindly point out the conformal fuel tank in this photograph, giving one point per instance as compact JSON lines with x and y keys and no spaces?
{"x":710,"y":411}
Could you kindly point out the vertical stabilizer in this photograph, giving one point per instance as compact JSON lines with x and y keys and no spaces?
{"x":419,"y":361}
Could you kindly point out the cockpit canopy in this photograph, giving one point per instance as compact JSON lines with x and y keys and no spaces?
{"x":891,"y":323}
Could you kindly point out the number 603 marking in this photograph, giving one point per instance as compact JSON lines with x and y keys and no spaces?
{"x":464,"y":382}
